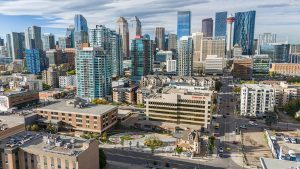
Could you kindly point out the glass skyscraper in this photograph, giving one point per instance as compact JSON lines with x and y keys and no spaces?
{"x":70,"y":37}
{"x":221,"y":24}
{"x":279,"y":53}
{"x":183,"y":23}
{"x":35,"y":61}
{"x":244,"y":31}
{"x":207,"y":27}
{"x":81,"y":31}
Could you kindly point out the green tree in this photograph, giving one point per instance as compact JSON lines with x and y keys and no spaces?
{"x":99,"y":101}
{"x":102,"y":159}
{"x":71,"y":72}
{"x":51,"y":128}
{"x":271,"y":118}
{"x":211,"y":143}
{"x":237,"y":90}
{"x":218,"y":85}
{"x":34,"y":127}
{"x":153,"y":142}
{"x":178,"y":150}
{"x":46,"y":86}
{"x":104,"y":136}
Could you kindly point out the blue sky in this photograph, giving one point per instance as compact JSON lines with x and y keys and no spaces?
{"x":276,"y":16}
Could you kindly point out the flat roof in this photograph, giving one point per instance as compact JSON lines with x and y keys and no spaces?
{"x":271,"y":163}
{"x":11,"y":120}
{"x":89,"y":110}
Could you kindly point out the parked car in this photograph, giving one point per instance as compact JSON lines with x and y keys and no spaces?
{"x":287,"y":140}
{"x":293,"y":141}
{"x":243,"y":127}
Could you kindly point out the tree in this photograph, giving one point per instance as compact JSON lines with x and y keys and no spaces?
{"x":104,"y":136}
{"x":34,"y":127}
{"x":237,"y":90}
{"x":218,"y":85}
{"x":102,"y":159}
{"x":211,"y":143}
{"x":51,"y":128}
{"x":99,"y":101}
{"x":153,"y":142}
{"x":178,"y":150}
{"x":271,"y":118}
{"x":292,"y":106}
{"x":71,"y":72}
{"x":46,"y":86}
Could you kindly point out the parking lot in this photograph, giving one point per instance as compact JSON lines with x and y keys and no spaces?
{"x":290,"y":142}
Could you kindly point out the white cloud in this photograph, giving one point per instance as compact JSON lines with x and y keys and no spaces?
{"x":272,"y":15}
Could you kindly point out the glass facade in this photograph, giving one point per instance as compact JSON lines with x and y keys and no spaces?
{"x":81,"y":31}
{"x":220,"y":24}
{"x":207,"y":27}
{"x":261,"y":65}
{"x":183,"y":24}
{"x":35,"y":61}
{"x":185,"y":56}
{"x":141,"y":56}
{"x":278,"y":53}
{"x":244,"y":31}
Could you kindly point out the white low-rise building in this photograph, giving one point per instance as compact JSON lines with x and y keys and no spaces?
{"x":65,"y":81}
{"x":256,"y":99}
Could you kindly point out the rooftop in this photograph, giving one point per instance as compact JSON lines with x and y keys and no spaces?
{"x":89,"y":110}
{"x":270,"y":163}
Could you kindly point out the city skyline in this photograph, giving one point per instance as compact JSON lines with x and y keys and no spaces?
{"x":278,"y":16}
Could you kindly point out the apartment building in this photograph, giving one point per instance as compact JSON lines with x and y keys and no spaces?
{"x":184,"y":108}
{"x":257,"y":99}
{"x":65,"y":81}
{"x":80,"y":116}
{"x":287,"y":69}
{"x":124,"y":94}
{"x":28,"y":150}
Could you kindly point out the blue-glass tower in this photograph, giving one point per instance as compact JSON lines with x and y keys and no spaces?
{"x":81,"y":31}
{"x":183,"y":24}
{"x":80,"y":23}
{"x":35,"y":61}
{"x":244,"y":31}
{"x":220,"y":24}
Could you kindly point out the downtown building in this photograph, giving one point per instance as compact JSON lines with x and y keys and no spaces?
{"x":278,"y":52}
{"x":181,"y":107}
{"x":185,"y":56}
{"x":135,"y":28}
{"x":15,"y":45}
{"x":70,"y":36}
{"x":33,"y":38}
{"x":123,"y":31}
{"x":207,"y":27}
{"x":244,"y":24}
{"x":160,"y":38}
{"x":265,"y":39}
{"x":36,"y":61}
{"x":256,"y":99}
{"x":261,"y":65}
{"x":141,"y":56}
{"x":183,"y":24}
{"x":80,"y":32}
{"x":67,"y":81}
{"x":221,"y":24}
{"x":48,"y":40}
{"x":172,"y":42}
{"x":93,"y":73}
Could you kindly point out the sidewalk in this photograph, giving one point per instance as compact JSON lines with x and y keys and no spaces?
{"x":119,"y":165}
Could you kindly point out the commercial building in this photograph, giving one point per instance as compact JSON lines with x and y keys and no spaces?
{"x":160,"y":38}
{"x":70,"y":56}
{"x":135,"y":27}
{"x":65,"y":81}
{"x":122,"y":29}
{"x":1,"y":42}
{"x":80,"y":116}
{"x":294,"y":48}
{"x":163,"y":56}
{"x":33,"y":38}
{"x":221,"y":24}
{"x":197,"y":53}
{"x":242,"y":68}
{"x":80,"y":32}
{"x":62,"y":43}
{"x":244,"y":23}
{"x":54,"y":57}
{"x":183,"y":24}
{"x":265,"y":39}
{"x":214,"y":65}
{"x":15,"y":45}
{"x":172,"y":42}
{"x":35,"y":150}
{"x":207,"y":27}
{"x":181,"y":107}
{"x":48,"y":40}
{"x":93,"y":73}
{"x":286,"y":69}
{"x":279,"y":53}
{"x":70,"y":36}
{"x":261,"y":65}
{"x":20,"y":99}
{"x":36,"y":61}
{"x":141,"y":55}
{"x":50,"y":76}
{"x":124,"y":94}
{"x":171,"y":66}
{"x":185,"y":56}
{"x":256,"y":99}
{"x":294,"y":58}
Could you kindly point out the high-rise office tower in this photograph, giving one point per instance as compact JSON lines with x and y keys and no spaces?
{"x":244,"y":31}
{"x":16,"y":45}
{"x":221,"y":24}
{"x":185,"y":56}
{"x":278,"y":52}
{"x":183,"y":23}
{"x":33,"y":38}
{"x":160,"y":38}
{"x":93,"y":73}
{"x":70,"y":36}
{"x":54,"y":56}
{"x":265,"y":39}
{"x":141,"y":55}
{"x":229,"y":47}
{"x":172,"y":43}
{"x":35,"y":61}
{"x":9,"y":45}
{"x":135,"y":28}
{"x":166,"y":41}
{"x":48,"y":41}
{"x":122,"y":29}
{"x":62,"y":43}
{"x":197,"y":53}
{"x":207,"y":27}
{"x":81,"y":31}
{"x":111,"y":43}
{"x":1,"y":42}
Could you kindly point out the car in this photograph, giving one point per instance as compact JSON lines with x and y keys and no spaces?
{"x":227,"y":114}
{"x":221,"y":150}
{"x":243,"y":127}
{"x":287,"y":140}
{"x":293,"y":141}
